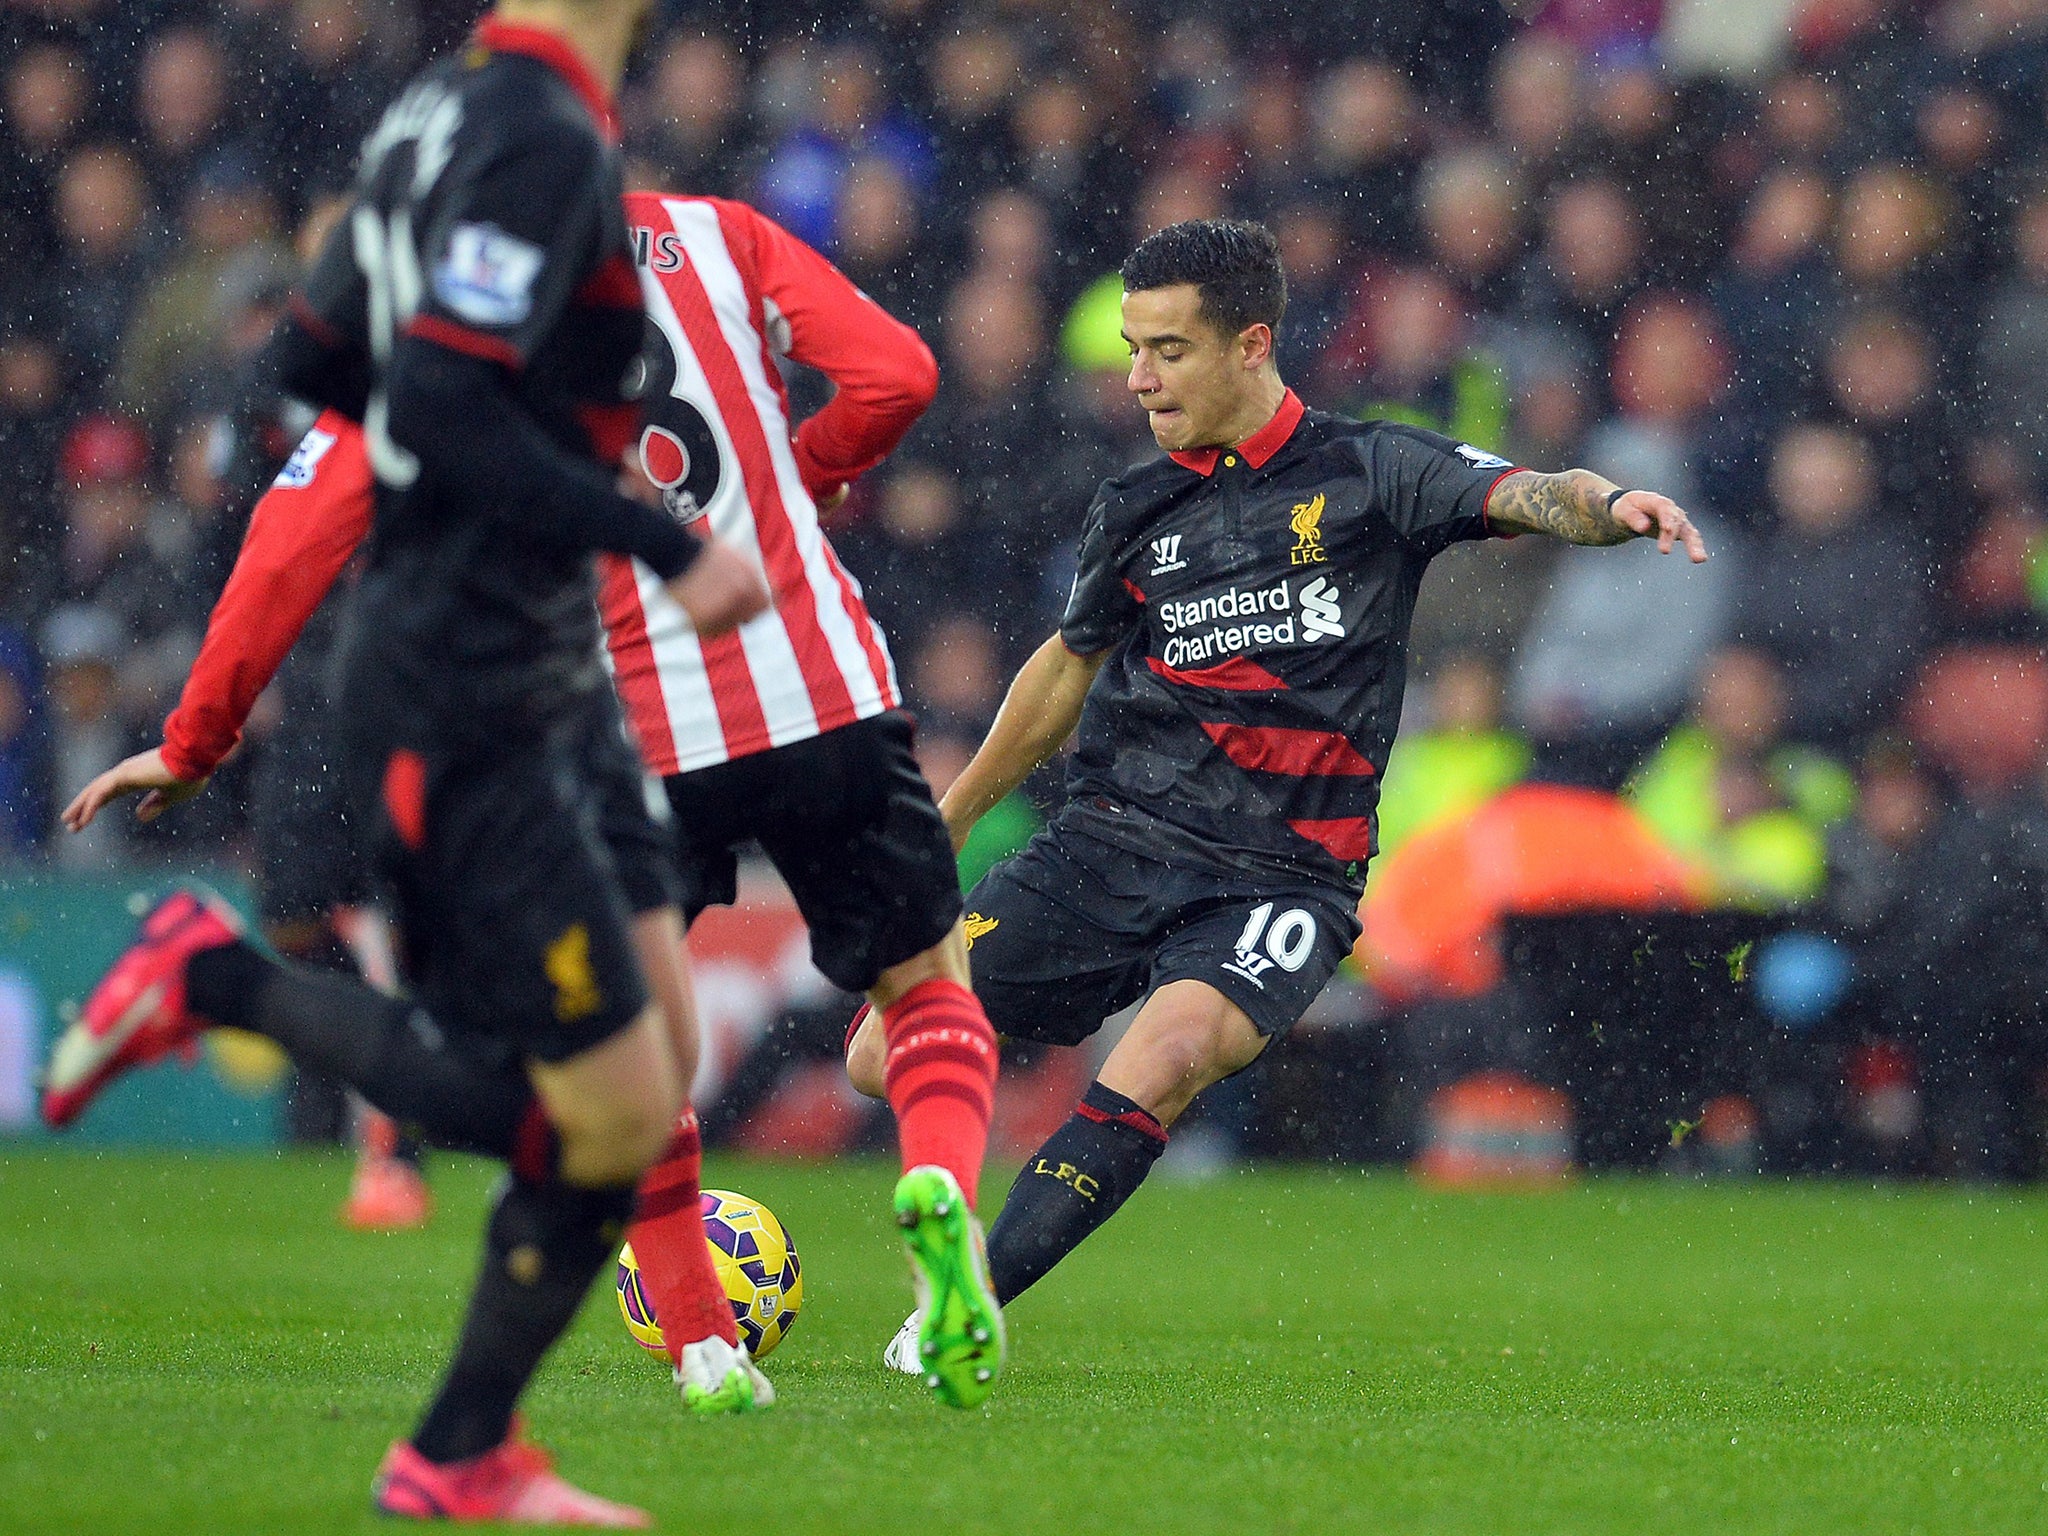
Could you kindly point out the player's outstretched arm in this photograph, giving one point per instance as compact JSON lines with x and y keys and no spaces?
{"x":1580,"y":507}
{"x":1039,"y":713}
{"x":303,"y":531}
{"x":143,"y":774}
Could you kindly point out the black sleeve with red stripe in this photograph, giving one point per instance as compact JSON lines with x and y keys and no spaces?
{"x":452,"y":411}
{"x":1103,"y":607}
{"x":529,"y":216}
{"x":1432,"y":488}
{"x":510,"y":245}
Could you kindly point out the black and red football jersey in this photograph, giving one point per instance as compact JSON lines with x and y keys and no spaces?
{"x":1257,"y":602}
{"x":487,"y":233}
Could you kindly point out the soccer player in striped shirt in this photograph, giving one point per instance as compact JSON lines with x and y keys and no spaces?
{"x":788,"y":730}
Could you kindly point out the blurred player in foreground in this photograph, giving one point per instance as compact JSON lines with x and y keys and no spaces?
{"x":788,"y":731}
{"x":1233,"y":654}
{"x":315,"y":889}
{"x":478,"y":314}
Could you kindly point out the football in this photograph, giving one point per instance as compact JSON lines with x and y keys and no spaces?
{"x":756,"y":1263}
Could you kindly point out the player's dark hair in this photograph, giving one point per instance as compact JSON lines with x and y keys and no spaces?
{"x":1233,"y":263}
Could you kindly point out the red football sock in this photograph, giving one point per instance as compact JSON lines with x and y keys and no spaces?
{"x":941,"y":1077}
{"x":668,"y":1240}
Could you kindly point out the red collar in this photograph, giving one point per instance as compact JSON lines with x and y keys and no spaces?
{"x":553,"y":51}
{"x":1257,"y":448}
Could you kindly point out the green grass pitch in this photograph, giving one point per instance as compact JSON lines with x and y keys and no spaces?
{"x":190,"y":1344}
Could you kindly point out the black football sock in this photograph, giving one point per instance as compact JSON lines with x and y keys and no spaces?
{"x":1073,"y":1184}
{"x":544,"y":1245}
{"x":389,"y":1050}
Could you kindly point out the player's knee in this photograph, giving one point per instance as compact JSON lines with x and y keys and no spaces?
{"x":945,"y":960}
{"x":1205,"y":1046}
{"x":1189,"y":1057}
{"x":1176,"y":1050}
{"x":615,"y":1142}
{"x":614,"y":1136}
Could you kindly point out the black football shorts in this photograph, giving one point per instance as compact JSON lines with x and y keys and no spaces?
{"x":508,"y":876}
{"x":306,"y":849}
{"x":848,"y":821}
{"x":639,"y":845}
{"x":1073,"y":929}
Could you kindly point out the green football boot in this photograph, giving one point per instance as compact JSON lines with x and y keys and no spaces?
{"x":960,"y":1342}
{"x":718,"y":1378}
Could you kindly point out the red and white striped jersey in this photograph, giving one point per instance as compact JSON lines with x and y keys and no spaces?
{"x":729,"y":291}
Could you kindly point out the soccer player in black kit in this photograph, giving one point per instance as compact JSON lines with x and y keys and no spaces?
{"x":480,"y":314}
{"x":1233,"y":653}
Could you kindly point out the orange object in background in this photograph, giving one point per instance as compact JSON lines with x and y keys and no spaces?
{"x":1433,"y":912}
{"x":1496,"y":1129}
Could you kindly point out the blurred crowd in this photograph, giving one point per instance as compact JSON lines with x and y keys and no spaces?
{"x":1785,"y":260}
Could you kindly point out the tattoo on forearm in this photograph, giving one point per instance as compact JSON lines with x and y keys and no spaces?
{"x":1571,"y":506}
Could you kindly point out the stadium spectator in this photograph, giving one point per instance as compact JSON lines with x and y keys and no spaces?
{"x":955,"y":676}
{"x":996,"y":424}
{"x":1916,"y":887}
{"x":1538,"y":95}
{"x":1065,"y":153}
{"x":1959,"y":131}
{"x":1802,"y":123}
{"x":876,"y":239}
{"x":102,"y":209}
{"x":24,"y":746}
{"x":1469,"y":209}
{"x":176,"y":338}
{"x":1365,"y":153}
{"x":1726,"y":790}
{"x":331,"y":85}
{"x":687,"y":116}
{"x":2009,"y":369}
{"x":1668,"y":369}
{"x":975,"y":75}
{"x":1894,"y":242}
{"x":1412,"y":357}
{"x":32,"y":421}
{"x":1009,"y":235}
{"x":181,"y":107}
{"x":1462,"y":757}
{"x":124,"y":559}
{"x":1589,"y":263}
{"x":1834,"y":594}
{"x":916,"y":543}
{"x":47,"y":95}
{"x":1773,"y":295}
{"x":84,"y":646}
{"x":1655,"y":139}
{"x":1320,"y":277}
{"x":846,"y":117}
{"x":1608,"y":661}
{"x":1881,"y":376}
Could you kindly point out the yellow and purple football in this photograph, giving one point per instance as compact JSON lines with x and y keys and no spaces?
{"x":756,"y":1263}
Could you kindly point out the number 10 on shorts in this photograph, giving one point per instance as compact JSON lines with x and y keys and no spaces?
{"x":1288,"y":940}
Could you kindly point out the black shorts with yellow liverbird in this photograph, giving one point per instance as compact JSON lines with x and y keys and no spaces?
{"x":514,"y":877}
{"x":1076,"y":927}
